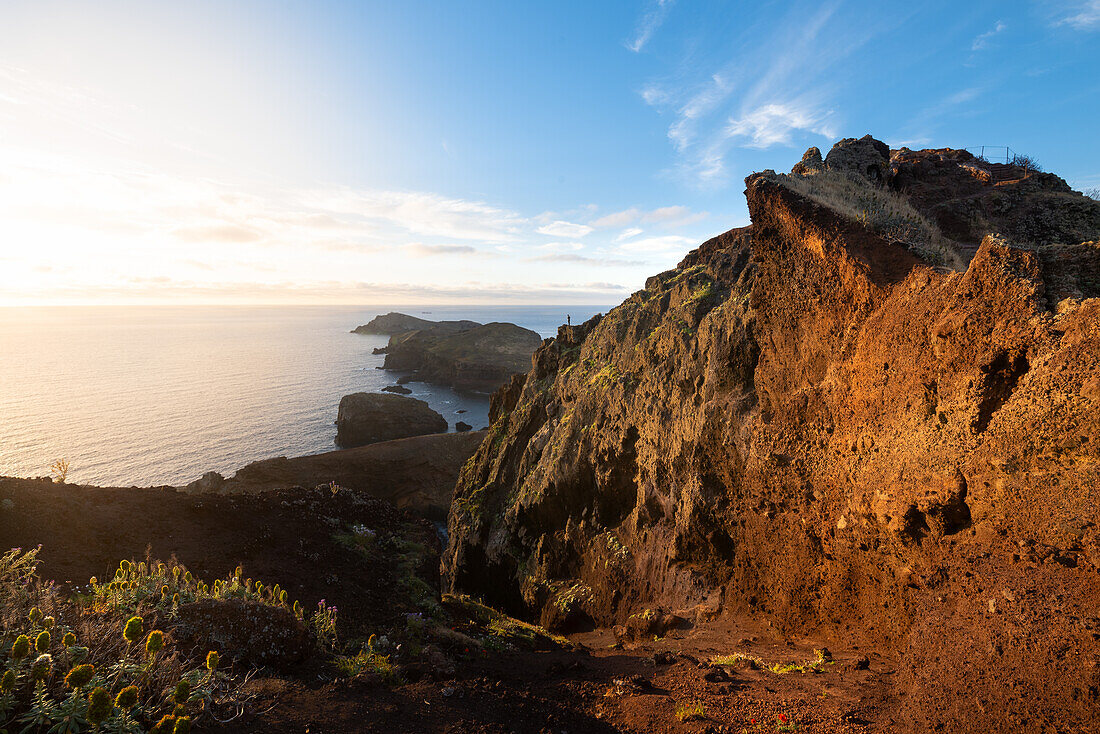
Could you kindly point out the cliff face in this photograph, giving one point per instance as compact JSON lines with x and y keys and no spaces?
{"x":481,"y":358}
{"x":807,"y":421}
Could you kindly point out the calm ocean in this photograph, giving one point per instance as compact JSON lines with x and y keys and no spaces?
{"x":160,"y":395}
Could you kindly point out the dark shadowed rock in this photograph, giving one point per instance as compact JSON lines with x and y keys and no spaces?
{"x":416,"y":474}
{"x":246,"y":631}
{"x":211,"y":481}
{"x":480,"y":359}
{"x":396,"y":323}
{"x":365,"y":418}
{"x":397,"y":390}
{"x":462,"y":426}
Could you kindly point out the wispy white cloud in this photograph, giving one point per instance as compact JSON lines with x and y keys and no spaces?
{"x":218,"y":233}
{"x":668,"y":216}
{"x":564,"y":229}
{"x":982,"y":41}
{"x":561,"y":246}
{"x":628,"y":233}
{"x":419,"y":249}
{"x":1084,"y":16}
{"x":774,"y":124}
{"x":652,"y":18}
{"x":657,"y":244}
{"x":776,"y":86}
{"x":572,"y":257}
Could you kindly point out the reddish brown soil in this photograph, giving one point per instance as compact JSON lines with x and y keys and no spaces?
{"x":600,"y":689}
{"x":286,"y":537}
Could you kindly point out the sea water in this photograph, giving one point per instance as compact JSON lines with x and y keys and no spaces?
{"x":159,"y":395}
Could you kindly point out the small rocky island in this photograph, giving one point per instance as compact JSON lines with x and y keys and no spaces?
{"x":365,"y":418}
{"x":464,"y":355}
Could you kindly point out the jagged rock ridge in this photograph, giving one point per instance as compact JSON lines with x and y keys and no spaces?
{"x":809,"y":420}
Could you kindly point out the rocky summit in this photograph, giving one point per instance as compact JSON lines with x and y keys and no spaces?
{"x":871,"y":415}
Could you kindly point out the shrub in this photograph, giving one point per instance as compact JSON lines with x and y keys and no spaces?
{"x":100,"y":707}
{"x":690,"y":711}
{"x":1025,"y":161}
{"x":127,"y":698}
{"x":154,"y":643}
{"x":133,"y":629}
{"x":79,"y":676}
{"x":59,"y":470}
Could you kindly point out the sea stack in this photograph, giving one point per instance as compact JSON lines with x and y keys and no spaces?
{"x":365,"y":418}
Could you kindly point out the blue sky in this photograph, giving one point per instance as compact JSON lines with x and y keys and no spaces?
{"x":363,"y":152}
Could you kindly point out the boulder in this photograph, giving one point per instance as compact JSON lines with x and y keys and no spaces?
{"x":462,"y":426}
{"x":811,"y":163}
{"x":211,"y":481}
{"x":397,"y":389}
{"x":247,"y":631}
{"x":365,"y":418}
{"x":865,"y":157}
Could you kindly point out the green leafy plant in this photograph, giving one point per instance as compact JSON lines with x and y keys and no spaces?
{"x":693,"y":711}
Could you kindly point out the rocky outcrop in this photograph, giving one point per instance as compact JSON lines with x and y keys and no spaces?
{"x":807,"y":421}
{"x":416,"y":474}
{"x":397,"y":323}
{"x":365,"y":418}
{"x":479,"y":359}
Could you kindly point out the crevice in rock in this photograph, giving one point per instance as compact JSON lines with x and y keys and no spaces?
{"x":998,"y":380}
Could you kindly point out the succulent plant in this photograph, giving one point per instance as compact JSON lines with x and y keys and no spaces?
{"x":34,"y":615}
{"x":7,"y":682}
{"x":175,"y":600}
{"x":100,"y":706}
{"x":237,"y":572}
{"x":141,"y":568}
{"x":183,"y":725}
{"x":166,"y":725}
{"x":188,"y":578}
{"x":212,"y":660}
{"x":93,"y":581}
{"x":21,"y":648}
{"x":79,"y":676}
{"x":182,"y":692}
{"x":48,"y":622}
{"x":154,"y":643}
{"x":69,"y":639}
{"x":176,"y":572}
{"x":127,"y":698}
{"x":42,"y":642}
{"x":42,"y":667}
{"x":282,"y":597}
{"x":133,"y":629}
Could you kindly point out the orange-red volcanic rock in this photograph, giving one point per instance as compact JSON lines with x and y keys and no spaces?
{"x":807,"y":421}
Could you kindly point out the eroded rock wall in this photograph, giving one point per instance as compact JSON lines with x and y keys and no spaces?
{"x":807,"y":422}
